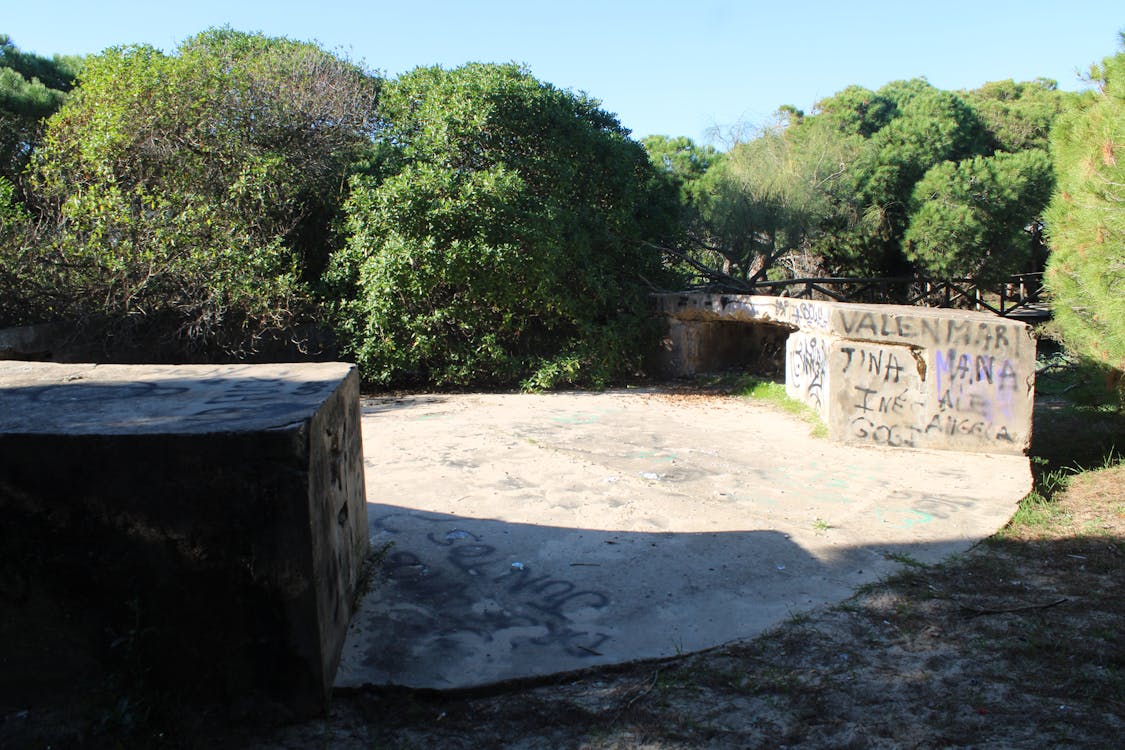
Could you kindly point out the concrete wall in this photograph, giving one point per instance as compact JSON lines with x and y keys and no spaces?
{"x":29,"y":342}
{"x":221,"y":507}
{"x":893,"y":375}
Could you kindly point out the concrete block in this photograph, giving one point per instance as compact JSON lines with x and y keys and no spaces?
{"x":890,"y":375}
{"x":929,"y":378}
{"x":883,"y":400}
{"x":28,"y":342}
{"x":222,"y":507}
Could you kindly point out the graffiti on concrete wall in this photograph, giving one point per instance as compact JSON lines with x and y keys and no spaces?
{"x":805,"y":314}
{"x":807,"y":368}
{"x":970,"y":335}
{"x":976,"y":394}
{"x":904,"y":396}
{"x":883,"y":397}
{"x":895,"y":375}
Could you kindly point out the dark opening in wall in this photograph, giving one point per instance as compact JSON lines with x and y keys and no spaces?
{"x":710,"y":346}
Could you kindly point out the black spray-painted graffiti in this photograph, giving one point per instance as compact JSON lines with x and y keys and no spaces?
{"x":886,"y":400}
{"x":896,"y":434}
{"x":955,"y":426}
{"x":881,"y":364}
{"x":981,"y":336}
{"x":808,"y":367}
{"x":801,"y":314}
{"x":893,"y":434}
{"x":871,"y":400}
{"x":542,"y":602}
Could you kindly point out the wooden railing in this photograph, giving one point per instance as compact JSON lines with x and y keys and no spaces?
{"x":1017,"y":296}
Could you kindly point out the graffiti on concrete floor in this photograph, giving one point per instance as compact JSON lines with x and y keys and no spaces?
{"x":486,"y":592}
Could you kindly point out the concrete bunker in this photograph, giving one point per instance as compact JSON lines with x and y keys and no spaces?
{"x":892,"y":375}
{"x":232,"y":499}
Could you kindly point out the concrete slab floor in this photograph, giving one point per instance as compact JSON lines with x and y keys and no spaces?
{"x":528,"y":535}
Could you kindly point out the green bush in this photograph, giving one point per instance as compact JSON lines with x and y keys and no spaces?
{"x":970,"y":218}
{"x":500,"y":240}
{"x":190,"y":196}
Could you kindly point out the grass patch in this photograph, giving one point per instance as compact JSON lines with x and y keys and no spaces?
{"x":905,"y":560}
{"x":773,"y":392}
{"x":1038,"y":511}
{"x":1079,"y":422}
{"x":1035,"y":512}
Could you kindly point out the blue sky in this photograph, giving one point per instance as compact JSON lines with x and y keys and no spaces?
{"x":674,"y":67}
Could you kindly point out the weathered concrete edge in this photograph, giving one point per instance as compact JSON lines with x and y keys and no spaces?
{"x":339,"y":534}
{"x":876,"y":323}
{"x":29,"y":342}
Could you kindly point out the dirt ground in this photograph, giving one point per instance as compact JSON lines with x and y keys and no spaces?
{"x":1018,"y":643}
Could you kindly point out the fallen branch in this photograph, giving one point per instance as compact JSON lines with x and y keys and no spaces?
{"x":644,"y":692}
{"x":1005,"y":610}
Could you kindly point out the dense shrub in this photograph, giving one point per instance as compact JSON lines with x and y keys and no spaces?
{"x":971,"y":218}
{"x":187,"y":199}
{"x":500,"y":239}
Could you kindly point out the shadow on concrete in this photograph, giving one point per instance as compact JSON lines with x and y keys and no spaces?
{"x":526,"y":535}
{"x":465,"y":602}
